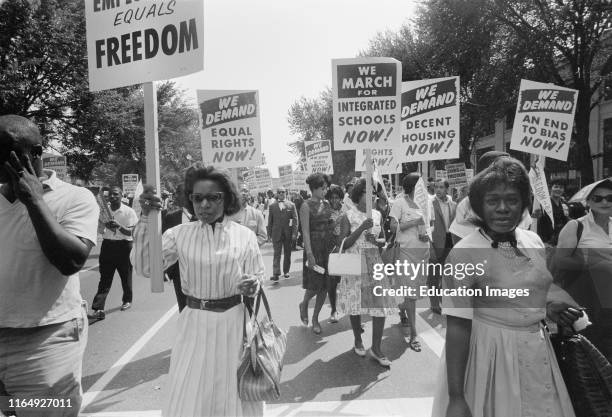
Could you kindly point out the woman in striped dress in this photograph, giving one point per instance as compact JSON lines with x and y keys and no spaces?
{"x":219,"y":261}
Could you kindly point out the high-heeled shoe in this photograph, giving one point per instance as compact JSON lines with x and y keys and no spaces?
{"x":359,"y":351}
{"x":316,"y":328}
{"x":303,"y":314}
{"x":382,"y":361}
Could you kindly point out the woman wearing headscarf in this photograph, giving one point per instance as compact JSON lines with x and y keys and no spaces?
{"x":498,"y":360}
{"x":219,"y":262}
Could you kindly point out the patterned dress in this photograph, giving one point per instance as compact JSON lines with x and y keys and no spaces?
{"x":321,"y":243}
{"x":350,"y":289}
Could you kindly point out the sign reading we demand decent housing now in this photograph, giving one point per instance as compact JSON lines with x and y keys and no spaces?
{"x":366,"y":103}
{"x":430,"y":119}
{"x":132,"y":42}
{"x":229,"y":123}
{"x":544,"y":119}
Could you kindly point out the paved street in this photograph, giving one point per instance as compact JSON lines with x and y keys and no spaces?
{"x":128,"y":357}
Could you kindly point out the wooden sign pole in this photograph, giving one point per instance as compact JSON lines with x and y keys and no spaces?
{"x":369,"y":172}
{"x":152,"y":157}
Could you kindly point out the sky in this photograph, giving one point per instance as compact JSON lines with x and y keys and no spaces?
{"x":284,"y":48}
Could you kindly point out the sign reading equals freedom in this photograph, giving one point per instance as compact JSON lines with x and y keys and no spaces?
{"x":135,"y":42}
{"x":366,"y":103}
{"x":229,"y":123}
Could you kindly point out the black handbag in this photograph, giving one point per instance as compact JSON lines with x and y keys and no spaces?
{"x":586,"y":372}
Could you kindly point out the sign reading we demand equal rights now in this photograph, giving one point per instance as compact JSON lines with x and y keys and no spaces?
{"x":132,"y":42}
{"x":366,"y":103}
{"x":544,"y":119}
{"x":229,"y":123}
{"x":430,"y":119}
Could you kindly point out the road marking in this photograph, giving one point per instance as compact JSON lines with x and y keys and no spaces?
{"x":430,"y":336}
{"x":419,"y":407}
{"x":114,"y":370}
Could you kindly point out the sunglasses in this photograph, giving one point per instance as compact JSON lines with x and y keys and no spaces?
{"x":210,"y":198}
{"x":600,"y":198}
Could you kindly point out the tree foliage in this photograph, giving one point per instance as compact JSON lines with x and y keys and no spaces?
{"x":312,"y":119}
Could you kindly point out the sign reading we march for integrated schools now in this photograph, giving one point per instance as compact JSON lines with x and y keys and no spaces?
{"x":366,"y":103}
{"x":319,"y":157}
{"x":544,"y":119}
{"x":430,"y":119}
{"x":132,"y":42}
{"x":229,"y":123}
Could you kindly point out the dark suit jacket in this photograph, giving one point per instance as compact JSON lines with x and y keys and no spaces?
{"x":440,"y":229}
{"x":278,"y":220}
{"x":169,"y":220}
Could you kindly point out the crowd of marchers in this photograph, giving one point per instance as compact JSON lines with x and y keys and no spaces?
{"x":212,"y":233}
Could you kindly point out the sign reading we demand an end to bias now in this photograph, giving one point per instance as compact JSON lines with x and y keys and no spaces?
{"x":544,"y":119}
{"x":229,"y":123}
{"x":430,"y":119}
{"x":136,"y":41}
{"x":366,"y":103}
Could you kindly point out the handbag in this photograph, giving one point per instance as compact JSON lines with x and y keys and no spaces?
{"x":586,"y":372}
{"x":344,"y":263}
{"x":259,"y":372}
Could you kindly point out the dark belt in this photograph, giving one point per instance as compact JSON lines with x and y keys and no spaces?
{"x":219,"y":306}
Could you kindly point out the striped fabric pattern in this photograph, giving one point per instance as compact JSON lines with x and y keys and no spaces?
{"x":211,"y":262}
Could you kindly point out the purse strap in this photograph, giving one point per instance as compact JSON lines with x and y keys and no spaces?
{"x":342,"y":246}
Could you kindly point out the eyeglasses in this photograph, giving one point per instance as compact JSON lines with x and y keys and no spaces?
{"x":210,"y":198}
{"x":600,"y":198}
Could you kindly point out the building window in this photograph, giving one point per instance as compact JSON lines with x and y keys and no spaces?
{"x":510,"y":119}
{"x":607,"y":144}
{"x":607,"y":89}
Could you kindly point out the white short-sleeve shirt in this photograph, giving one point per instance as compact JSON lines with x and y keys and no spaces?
{"x":34,"y":292}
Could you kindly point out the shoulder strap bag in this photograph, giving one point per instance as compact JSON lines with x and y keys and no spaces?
{"x":259,"y":372}
{"x":344,"y":263}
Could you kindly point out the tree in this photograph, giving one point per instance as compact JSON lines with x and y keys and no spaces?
{"x":574,"y":35}
{"x":312,"y":119}
{"x":493,"y":44}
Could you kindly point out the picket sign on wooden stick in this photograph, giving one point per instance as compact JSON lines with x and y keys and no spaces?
{"x":152,"y":157}
{"x":369,"y":173}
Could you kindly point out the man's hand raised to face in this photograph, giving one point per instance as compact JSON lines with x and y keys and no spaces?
{"x":23,"y":179}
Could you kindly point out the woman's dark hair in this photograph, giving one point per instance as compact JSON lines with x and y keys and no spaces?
{"x":334,"y":190}
{"x":199,"y":172}
{"x":506,"y":171}
{"x":359,"y":189}
{"x":317,"y":180}
{"x":607,"y":184}
{"x":409,"y":182}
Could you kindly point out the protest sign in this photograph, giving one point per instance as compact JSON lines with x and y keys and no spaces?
{"x":366,"y":103}
{"x":421,"y":198}
{"x":285,"y":170}
{"x":456,"y":175}
{"x":469,"y":174}
{"x":130,"y":182}
{"x":260,"y":180}
{"x":430,"y":119}
{"x":229,"y":123}
{"x":299,"y":180}
{"x":57,"y":164}
{"x":319,"y":157}
{"x":441,"y":174}
{"x":540,"y":187}
{"x":135,"y":42}
{"x":544,"y":119}
{"x":383,"y":160}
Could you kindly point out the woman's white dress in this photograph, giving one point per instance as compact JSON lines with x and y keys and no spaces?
{"x":511,"y":369}
{"x":208,"y":345}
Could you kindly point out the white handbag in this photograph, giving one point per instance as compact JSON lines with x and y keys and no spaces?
{"x":344,"y":263}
